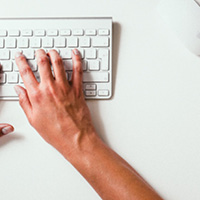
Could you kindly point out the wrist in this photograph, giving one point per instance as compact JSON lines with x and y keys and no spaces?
{"x":78,"y":149}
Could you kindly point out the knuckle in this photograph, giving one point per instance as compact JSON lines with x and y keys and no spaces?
{"x":41,"y":60}
{"x":36,"y":95}
{"x":26,"y":70}
{"x":21,"y":58}
{"x":57,"y":60}
{"x":78,"y":68}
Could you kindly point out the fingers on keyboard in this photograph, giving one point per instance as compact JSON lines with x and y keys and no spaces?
{"x":58,"y":67}
{"x":77,"y":75}
{"x":26,"y":73}
{"x":44,"y":66}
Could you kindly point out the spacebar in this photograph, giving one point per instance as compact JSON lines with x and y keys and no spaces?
{"x":7,"y":91}
{"x":95,"y":77}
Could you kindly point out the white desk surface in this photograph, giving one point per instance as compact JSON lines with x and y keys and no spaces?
{"x":153,"y":119}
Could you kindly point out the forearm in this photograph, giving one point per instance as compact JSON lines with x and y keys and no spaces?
{"x":110,"y":175}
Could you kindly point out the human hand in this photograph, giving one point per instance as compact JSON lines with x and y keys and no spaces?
{"x":5,"y":129}
{"x":55,"y":107}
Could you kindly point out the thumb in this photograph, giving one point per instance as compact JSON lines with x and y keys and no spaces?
{"x":5,"y":129}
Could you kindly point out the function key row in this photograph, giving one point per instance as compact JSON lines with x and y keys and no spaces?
{"x":54,"y":32}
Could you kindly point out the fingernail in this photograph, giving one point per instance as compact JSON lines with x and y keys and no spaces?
{"x":76,"y":52}
{"x":17,"y":90}
{"x":18,"y":54}
{"x":6,"y":130}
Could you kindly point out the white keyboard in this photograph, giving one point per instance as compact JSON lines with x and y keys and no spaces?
{"x":91,"y":36}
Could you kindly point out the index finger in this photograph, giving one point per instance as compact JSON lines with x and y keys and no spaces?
{"x":25,"y":71}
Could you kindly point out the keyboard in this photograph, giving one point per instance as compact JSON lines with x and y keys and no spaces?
{"x":91,"y":36}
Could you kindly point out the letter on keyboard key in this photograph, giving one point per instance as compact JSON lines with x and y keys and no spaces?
{"x":95,"y":77}
{"x":7,"y":91}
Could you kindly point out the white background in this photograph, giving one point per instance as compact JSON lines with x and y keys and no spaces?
{"x":153,"y":119}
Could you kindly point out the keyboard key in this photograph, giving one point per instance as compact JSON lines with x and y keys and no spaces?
{"x":65,"y":32}
{"x":104,"y":56}
{"x":13,"y":77}
{"x":6,"y":66}
{"x":77,"y":32}
{"x":60,"y":42}
{"x":95,"y":77}
{"x":14,"y":33}
{"x":84,"y":42}
{"x":27,"y":32}
{"x":4,"y":54}
{"x":68,"y":65}
{"x":52,"y":32}
{"x":29,"y":53}
{"x":100,"y":42}
{"x":3,"y":33}
{"x":10,"y":43}
{"x":2,"y":78}
{"x":13,"y":52}
{"x":35,"y":42}
{"x":93,"y":65}
{"x":23,"y":42}
{"x":90,"y":93}
{"x":90,"y":32}
{"x":91,"y":87}
{"x":66,"y":53}
{"x":7,"y":91}
{"x":72,"y":42}
{"x":40,"y":32}
{"x":103,"y":32}
{"x":103,"y":92}
{"x":47,"y":42}
{"x":90,"y":53}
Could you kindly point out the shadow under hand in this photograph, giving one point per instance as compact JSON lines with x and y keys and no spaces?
{"x":10,"y":138}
